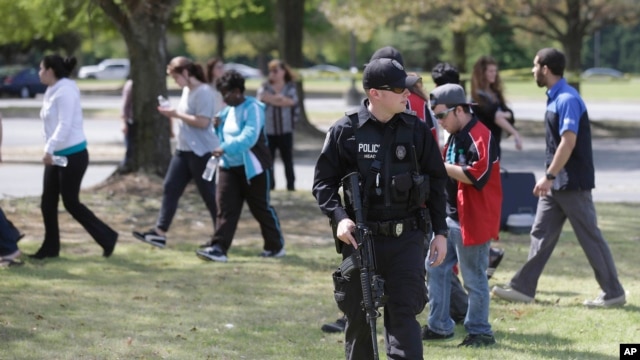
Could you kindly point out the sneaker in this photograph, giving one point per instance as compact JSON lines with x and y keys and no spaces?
{"x":478,"y":340}
{"x":212,"y":253}
{"x":9,"y":263}
{"x":335,"y":327}
{"x":206,"y":244}
{"x":429,"y":335}
{"x":11,"y":257}
{"x":274,"y":254}
{"x":151,"y":237}
{"x":600,"y":301}
{"x":495,"y":256}
{"x":511,"y":295}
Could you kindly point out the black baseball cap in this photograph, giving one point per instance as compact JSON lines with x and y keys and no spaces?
{"x":388,"y":52}
{"x":386,"y":73}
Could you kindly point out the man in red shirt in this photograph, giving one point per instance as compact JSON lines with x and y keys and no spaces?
{"x":474,"y":198}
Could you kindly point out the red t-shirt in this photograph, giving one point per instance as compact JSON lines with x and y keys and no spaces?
{"x":477,"y":206}
{"x":421,"y":108}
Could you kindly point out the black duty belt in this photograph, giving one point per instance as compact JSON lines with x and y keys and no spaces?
{"x":393,"y":228}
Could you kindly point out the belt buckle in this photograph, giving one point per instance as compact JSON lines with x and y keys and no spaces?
{"x":397,"y":230}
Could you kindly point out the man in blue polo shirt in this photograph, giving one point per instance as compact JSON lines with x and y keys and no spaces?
{"x":565,"y":191}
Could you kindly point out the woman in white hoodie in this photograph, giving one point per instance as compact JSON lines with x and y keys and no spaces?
{"x":64,"y":136}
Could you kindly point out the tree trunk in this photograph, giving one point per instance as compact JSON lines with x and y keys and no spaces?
{"x":460,"y":53}
{"x":220,"y":45}
{"x":572,"y":44}
{"x":143,"y":26}
{"x":290,"y":28}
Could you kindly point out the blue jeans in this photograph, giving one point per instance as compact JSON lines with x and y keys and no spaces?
{"x":8,"y":236}
{"x":473,"y":265}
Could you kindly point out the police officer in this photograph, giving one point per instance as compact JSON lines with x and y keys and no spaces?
{"x":400,"y":166}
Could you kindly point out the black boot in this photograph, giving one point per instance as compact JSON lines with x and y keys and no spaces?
{"x":335,"y":327}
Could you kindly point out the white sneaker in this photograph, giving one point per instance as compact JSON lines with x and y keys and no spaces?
{"x":602,"y":303}
{"x":151,"y":237}
{"x":511,"y":295}
{"x":274,"y":254}
{"x":212,"y":253}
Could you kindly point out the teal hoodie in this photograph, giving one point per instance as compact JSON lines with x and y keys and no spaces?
{"x":252,"y":139}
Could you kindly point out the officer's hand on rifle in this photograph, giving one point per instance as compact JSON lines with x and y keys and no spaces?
{"x":437,"y":250}
{"x":345,"y":230}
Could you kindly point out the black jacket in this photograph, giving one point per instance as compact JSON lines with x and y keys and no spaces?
{"x":339,"y":158}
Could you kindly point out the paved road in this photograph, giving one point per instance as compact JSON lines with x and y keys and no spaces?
{"x":617,"y":161}
{"x":524,"y":109}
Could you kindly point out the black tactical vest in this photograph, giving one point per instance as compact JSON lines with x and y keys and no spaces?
{"x":393,"y":176}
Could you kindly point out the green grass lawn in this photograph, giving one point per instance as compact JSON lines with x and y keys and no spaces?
{"x":148,"y":303}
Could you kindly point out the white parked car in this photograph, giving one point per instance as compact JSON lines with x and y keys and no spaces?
{"x":325,"y":71}
{"x":246,"y":71}
{"x":107,"y":69}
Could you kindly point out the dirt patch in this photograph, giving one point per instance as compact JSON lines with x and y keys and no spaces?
{"x":131,"y":202}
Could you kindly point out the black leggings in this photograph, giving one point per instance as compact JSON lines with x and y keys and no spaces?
{"x":65,"y":182}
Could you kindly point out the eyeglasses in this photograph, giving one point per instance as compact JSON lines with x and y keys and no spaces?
{"x":395,"y":90}
{"x":442,"y":115}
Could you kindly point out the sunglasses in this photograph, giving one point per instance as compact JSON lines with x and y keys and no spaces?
{"x":395,"y":90}
{"x":442,"y":115}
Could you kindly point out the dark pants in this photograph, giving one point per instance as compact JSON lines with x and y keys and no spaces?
{"x":552,"y":212}
{"x":9,"y":236}
{"x":185,"y":166}
{"x":129,"y":142}
{"x":233,"y":190}
{"x":400,"y":262}
{"x":65,"y":182}
{"x":283,"y":143}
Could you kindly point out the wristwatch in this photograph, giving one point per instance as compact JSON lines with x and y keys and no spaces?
{"x":444,"y":233}
{"x":550,"y":176}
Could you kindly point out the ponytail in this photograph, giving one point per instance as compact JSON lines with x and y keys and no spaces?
{"x":62,"y":67}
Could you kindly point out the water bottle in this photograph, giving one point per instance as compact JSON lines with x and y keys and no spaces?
{"x":61,"y":161}
{"x":462,"y":159}
{"x":163,"y":102}
{"x":210,"y":170}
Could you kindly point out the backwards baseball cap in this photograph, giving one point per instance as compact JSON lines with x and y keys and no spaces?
{"x":386,"y":73}
{"x":448,"y":94}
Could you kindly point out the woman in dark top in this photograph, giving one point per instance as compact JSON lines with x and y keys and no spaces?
{"x":491,"y":109}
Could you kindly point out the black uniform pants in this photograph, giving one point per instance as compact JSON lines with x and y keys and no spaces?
{"x":401,"y":264}
{"x":65,"y":182}
{"x":233,"y":189}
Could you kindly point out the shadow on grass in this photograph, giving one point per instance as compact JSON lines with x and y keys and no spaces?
{"x":544,"y":346}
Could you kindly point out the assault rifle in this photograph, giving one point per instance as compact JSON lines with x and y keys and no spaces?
{"x":364,"y":259}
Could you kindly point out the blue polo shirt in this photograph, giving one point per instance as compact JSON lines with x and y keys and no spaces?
{"x":567,"y":112}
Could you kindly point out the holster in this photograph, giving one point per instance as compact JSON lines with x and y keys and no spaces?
{"x":424,"y":221}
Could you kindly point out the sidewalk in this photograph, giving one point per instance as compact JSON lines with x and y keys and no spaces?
{"x":617,"y":163}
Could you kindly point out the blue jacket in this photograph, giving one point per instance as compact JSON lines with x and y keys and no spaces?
{"x":251,"y":142}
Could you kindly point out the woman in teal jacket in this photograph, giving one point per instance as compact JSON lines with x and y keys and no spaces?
{"x":244,"y":171}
